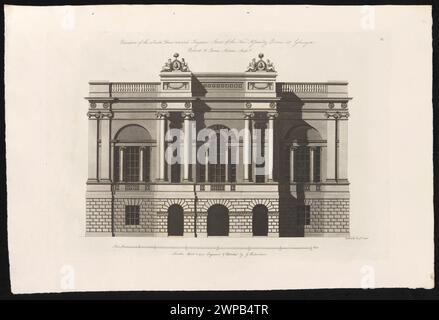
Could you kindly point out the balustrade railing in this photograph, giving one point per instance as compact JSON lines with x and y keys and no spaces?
{"x":146,"y":88}
{"x":296,"y":87}
{"x":217,"y":187}
{"x":134,"y":87}
{"x":152,"y":186}
{"x":132,"y":187}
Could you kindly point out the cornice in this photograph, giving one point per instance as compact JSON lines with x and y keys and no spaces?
{"x":322,"y":99}
{"x":100,"y":99}
{"x":183,"y":99}
{"x":231,"y":99}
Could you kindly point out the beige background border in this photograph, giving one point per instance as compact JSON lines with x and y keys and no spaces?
{"x":51,"y":54}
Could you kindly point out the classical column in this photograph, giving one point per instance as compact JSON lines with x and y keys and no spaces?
{"x":187,"y":144}
{"x":121,"y":152}
{"x":161,"y":129}
{"x":311,"y":164}
{"x":141,"y":159}
{"x":247,"y":144}
{"x":254,"y":156}
{"x":112,"y":174}
{"x":92,"y":147}
{"x":226,"y":158}
{"x":330,"y":150}
{"x":333,"y":163}
{"x":270,"y":149}
{"x":342,"y":155}
{"x":292,"y":164}
{"x":104,"y":166}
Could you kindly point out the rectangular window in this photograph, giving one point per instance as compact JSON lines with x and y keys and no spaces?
{"x":260,"y":150}
{"x":146,"y":163}
{"x":132,"y":215}
{"x":201,"y":172}
{"x":301,"y":164}
{"x":131,"y":164}
{"x":175,"y":172}
{"x":201,"y":168}
{"x":116,"y":165}
{"x":317,"y":164}
{"x":217,"y":172}
{"x":232,"y":173}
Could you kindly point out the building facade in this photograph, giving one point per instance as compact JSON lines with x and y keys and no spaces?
{"x":300,"y":188}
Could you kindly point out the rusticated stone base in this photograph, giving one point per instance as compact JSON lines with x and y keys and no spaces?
{"x":325,"y":217}
{"x":98,"y":216}
{"x":328,"y":216}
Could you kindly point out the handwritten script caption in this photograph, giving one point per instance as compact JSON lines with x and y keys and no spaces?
{"x":233,"y":45}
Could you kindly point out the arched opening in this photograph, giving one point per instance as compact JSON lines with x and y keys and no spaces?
{"x":133,"y":133}
{"x":132,"y":154}
{"x":260,"y":220}
{"x":175,"y":220}
{"x":218,"y":220}
{"x":302,"y":155}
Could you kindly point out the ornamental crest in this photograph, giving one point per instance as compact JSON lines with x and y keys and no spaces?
{"x":176,"y":65}
{"x":261,"y":65}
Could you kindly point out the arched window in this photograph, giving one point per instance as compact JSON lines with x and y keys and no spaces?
{"x":132,"y":155}
{"x":223,"y":170}
{"x":302,"y":157}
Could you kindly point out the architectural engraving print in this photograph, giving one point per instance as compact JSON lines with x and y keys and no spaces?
{"x":249,"y":158}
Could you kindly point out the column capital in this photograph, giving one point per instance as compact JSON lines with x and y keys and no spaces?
{"x":188,"y":115}
{"x":100,"y":115}
{"x":272,"y":115}
{"x":249,"y":115}
{"x":162,"y":114}
{"x":337,"y":114}
{"x":107,"y":115}
{"x":122,"y":148}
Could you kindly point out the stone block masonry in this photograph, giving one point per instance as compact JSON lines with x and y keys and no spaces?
{"x":98,"y":215}
{"x":328,"y":216}
{"x":153,"y":215}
